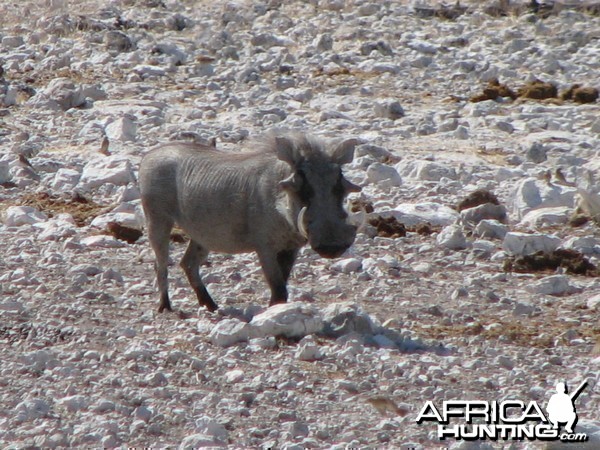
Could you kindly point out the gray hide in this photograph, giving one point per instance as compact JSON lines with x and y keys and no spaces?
{"x":271,"y":202}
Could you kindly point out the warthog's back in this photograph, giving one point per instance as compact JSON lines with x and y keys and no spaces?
{"x":215,"y":196}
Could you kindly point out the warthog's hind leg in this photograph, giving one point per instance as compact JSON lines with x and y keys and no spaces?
{"x":158,"y":233}
{"x":277,"y":269}
{"x":193,"y":257}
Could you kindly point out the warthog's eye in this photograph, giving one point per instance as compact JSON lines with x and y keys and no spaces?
{"x":306,"y":192}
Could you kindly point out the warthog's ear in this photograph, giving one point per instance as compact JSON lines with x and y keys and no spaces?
{"x":290,"y":184}
{"x":344,"y":152}
{"x":285,"y":150}
{"x":350,"y":187}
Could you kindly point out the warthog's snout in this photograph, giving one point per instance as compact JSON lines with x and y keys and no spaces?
{"x":335,"y":242}
{"x":331,"y":251}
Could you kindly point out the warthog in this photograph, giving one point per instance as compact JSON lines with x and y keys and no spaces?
{"x":271,"y":201}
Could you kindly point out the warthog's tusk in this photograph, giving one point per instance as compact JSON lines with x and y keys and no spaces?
{"x":300,"y":223}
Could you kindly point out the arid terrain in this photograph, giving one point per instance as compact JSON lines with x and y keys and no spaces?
{"x":475,"y":277}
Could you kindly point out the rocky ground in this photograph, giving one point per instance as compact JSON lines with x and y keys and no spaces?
{"x":475,"y":278}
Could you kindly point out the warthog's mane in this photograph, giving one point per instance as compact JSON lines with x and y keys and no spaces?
{"x":306,"y":146}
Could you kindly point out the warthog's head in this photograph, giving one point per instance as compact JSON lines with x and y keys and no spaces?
{"x":317,"y":189}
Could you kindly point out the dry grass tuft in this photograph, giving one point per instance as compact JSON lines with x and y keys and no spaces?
{"x":479,"y":197}
{"x":571,"y":261}
{"x":388,"y":227}
{"x":80,"y":208}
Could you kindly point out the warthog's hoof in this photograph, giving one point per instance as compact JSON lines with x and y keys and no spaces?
{"x":211,"y":307}
{"x":164,"y":304}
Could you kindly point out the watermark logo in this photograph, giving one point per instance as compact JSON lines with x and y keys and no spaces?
{"x":507,"y":420}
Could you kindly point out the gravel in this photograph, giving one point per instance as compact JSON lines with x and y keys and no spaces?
{"x":429,"y":314}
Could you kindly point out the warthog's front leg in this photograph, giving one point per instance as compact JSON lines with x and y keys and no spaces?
{"x":277,"y":268}
{"x":193,"y":257}
{"x":286,"y":259}
{"x":158,"y":233}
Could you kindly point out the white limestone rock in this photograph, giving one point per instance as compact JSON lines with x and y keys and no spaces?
{"x":122,"y":129}
{"x":323,"y":42}
{"x":308,"y":349}
{"x":532,"y":193}
{"x":117,"y":42}
{"x":348,"y":317}
{"x":130,"y":220}
{"x":461,"y":133}
{"x":39,"y":360}
{"x":234,"y":376}
{"x":101,"y":241}
{"x":487,"y":211}
{"x":593,"y":303}
{"x":588,"y":202}
{"x":110,"y":169}
{"x":74,"y":403}
{"x":520,"y":244}
{"x":230,"y":331}
{"x":210,"y":427}
{"x":59,"y":227}
{"x":389,"y":109}
{"x":383,"y":175}
{"x":555,"y":285}
{"x":507,"y":173}
{"x":425,"y":170}
{"x":65,"y":179}
{"x":490,"y":229}
{"x":147,"y":113}
{"x":483,"y":109}
{"x":4,"y":172}
{"x":452,"y":238}
{"x":199,"y":440}
{"x":411,"y":214}
{"x":588,"y":245}
{"x":13,"y":41}
{"x":61,"y":92}
{"x":16,"y":216}
{"x":292,"y":320}
{"x":547,"y":217}
{"x":381,"y":154}
{"x":31,"y":409}
{"x":347,"y":265}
